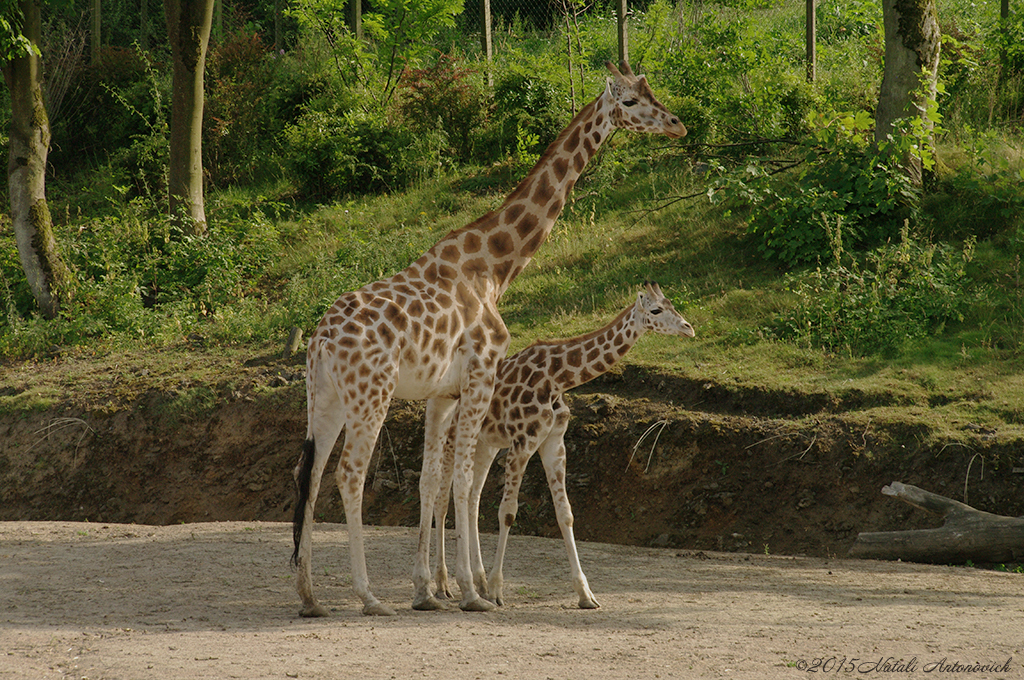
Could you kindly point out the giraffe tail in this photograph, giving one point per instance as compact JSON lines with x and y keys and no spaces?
{"x":302,"y":482}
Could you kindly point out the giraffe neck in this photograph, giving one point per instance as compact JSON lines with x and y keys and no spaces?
{"x":500,"y":244}
{"x":587,"y":356}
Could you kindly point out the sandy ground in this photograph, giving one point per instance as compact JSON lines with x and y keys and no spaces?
{"x":217,"y":600}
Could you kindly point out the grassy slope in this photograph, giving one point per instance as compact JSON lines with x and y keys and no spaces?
{"x":599,"y":253}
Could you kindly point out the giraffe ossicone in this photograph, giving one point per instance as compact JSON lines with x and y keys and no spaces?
{"x":528,"y":414}
{"x":432,"y":331}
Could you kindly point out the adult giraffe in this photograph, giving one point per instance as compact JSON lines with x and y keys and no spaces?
{"x":432,"y":331}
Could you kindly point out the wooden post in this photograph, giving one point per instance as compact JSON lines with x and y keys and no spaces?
{"x":486,"y":38}
{"x":812,"y":39}
{"x":966,"y":534}
{"x":218,"y":20}
{"x":277,"y":27}
{"x":623,"y":31}
{"x":144,"y":24}
{"x":355,"y":18}
{"x":97,"y":26}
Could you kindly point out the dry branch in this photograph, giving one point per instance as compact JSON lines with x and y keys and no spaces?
{"x":966,"y":535}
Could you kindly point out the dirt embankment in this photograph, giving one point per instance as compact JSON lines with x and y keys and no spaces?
{"x":654,"y":460}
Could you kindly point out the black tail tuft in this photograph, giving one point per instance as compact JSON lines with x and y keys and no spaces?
{"x":302,"y":490}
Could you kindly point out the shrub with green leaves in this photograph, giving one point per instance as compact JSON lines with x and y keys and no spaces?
{"x":528,"y":113}
{"x":333,"y":154}
{"x":876,"y":304}
{"x":842,"y":177}
{"x":446,"y":95}
{"x":729,"y":70}
{"x":240,"y":125}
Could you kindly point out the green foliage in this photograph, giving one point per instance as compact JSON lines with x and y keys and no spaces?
{"x":242,"y":120}
{"x":333,"y":154}
{"x":528,"y":114}
{"x":116,"y":113}
{"x":445,"y":96}
{"x":730,"y":70}
{"x":841,"y":20}
{"x":399,"y":33}
{"x":13,"y":43}
{"x":987,"y":187}
{"x":842,"y":178}
{"x":1007,"y":43}
{"x":900,"y":292}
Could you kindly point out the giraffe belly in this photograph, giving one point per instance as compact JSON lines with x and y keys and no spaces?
{"x":418,"y":381}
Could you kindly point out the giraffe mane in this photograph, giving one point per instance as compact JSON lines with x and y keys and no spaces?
{"x":592,"y":334}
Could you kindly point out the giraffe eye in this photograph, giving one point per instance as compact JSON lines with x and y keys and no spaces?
{"x":655,"y":311}
{"x":629,"y":102}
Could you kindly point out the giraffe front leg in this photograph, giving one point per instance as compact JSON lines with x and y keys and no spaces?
{"x":441,"y":587}
{"x":438,"y":418}
{"x":472,"y":408}
{"x":483,"y":456}
{"x":552,"y":455}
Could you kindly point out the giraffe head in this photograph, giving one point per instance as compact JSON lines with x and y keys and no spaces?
{"x":635,"y":107}
{"x":657,"y":314}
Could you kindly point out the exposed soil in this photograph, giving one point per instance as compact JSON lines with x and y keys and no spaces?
{"x":653,"y":459}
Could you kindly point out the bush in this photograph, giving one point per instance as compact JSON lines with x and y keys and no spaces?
{"x":240,"y":125}
{"x":333,"y":154}
{"x":108,"y":108}
{"x":842,"y":178}
{"x":526,"y":108}
{"x":444,"y":96}
{"x":901,"y":292}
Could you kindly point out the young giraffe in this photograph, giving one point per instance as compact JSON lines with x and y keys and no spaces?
{"x":432,"y":331}
{"x":528,"y":414}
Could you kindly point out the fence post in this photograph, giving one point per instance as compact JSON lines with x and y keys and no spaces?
{"x":355,"y":18}
{"x":486,"y":42}
{"x":97,"y":34}
{"x":812,"y":38}
{"x":623,"y":31}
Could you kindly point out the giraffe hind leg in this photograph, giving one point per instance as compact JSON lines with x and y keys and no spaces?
{"x":307,"y":481}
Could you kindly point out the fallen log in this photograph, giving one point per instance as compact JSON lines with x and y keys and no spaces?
{"x":967,"y":534}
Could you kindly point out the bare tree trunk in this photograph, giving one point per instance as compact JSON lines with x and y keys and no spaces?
{"x":911,"y":48}
{"x":48,"y":277}
{"x":188,"y":28}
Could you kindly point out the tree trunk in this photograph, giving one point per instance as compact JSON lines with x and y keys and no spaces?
{"x":967,"y":534}
{"x":911,"y":47}
{"x":188,"y":29}
{"x":48,"y":277}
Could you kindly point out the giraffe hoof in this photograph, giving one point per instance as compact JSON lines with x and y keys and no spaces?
{"x":378,"y":609}
{"x":477,"y":605}
{"x":589,"y":603}
{"x":314,"y":611}
{"x":429,"y":604}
